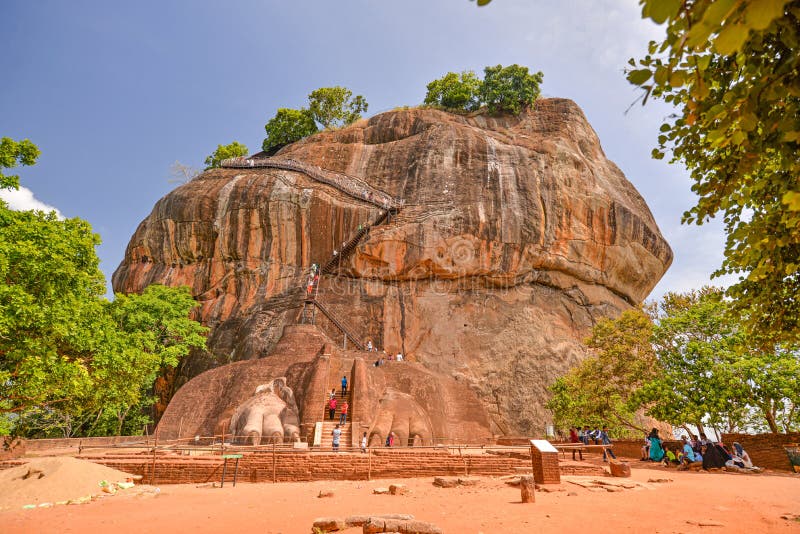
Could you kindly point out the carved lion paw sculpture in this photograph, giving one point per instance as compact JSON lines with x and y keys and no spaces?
{"x":269,"y":416}
{"x":398,"y":412}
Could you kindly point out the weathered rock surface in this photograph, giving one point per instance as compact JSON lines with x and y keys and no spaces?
{"x":516,"y":236}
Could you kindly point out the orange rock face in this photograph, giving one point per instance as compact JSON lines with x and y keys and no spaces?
{"x":516,"y":236}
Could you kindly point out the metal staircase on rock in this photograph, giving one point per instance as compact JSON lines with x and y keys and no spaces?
{"x":350,"y":246}
{"x":349,"y":185}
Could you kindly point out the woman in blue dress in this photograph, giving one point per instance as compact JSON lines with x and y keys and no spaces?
{"x":656,"y":450}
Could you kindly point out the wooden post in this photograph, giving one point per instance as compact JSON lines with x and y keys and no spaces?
{"x":153,"y":466}
{"x":274,"y":474}
{"x":527,"y":489}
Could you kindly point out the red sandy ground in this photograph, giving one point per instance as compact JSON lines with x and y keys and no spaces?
{"x":742,"y":503}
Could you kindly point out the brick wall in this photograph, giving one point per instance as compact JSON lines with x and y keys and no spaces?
{"x":74,"y":443}
{"x":11,"y":448}
{"x":766,"y":450}
{"x":294,"y":466}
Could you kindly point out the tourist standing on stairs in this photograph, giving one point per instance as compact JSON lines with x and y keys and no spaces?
{"x":364,"y":443}
{"x":343,"y":416}
{"x":332,"y":395}
{"x":337,"y":433}
{"x":344,"y":386}
{"x":332,"y":407}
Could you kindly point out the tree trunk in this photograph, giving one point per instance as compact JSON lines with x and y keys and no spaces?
{"x":121,"y":419}
{"x":700,"y":429}
{"x":770,"y":417}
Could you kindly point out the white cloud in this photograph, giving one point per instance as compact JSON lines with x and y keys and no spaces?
{"x":22,"y":199}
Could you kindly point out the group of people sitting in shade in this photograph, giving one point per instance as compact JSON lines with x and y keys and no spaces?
{"x":696,"y":452}
{"x":589,"y":436}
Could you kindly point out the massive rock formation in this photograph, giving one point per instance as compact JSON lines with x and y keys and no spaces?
{"x":516,"y":235}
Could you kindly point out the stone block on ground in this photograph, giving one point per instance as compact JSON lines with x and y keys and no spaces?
{"x":375,"y":525}
{"x":468,"y":481}
{"x":329,"y":524}
{"x":323,"y":494}
{"x":359,"y":520}
{"x":445,"y":482}
{"x":380,"y":491}
{"x":620,"y":469}
{"x":398,"y":489}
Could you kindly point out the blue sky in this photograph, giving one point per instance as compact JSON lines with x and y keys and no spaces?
{"x":114,"y":93}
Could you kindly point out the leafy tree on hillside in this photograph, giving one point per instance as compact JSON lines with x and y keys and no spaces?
{"x":687,"y":361}
{"x":157,"y":333}
{"x":455,"y":91}
{"x":13,"y":153}
{"x":601,"y":388}
{"x":51,"y":313}
{"x":334,"y":107}
{"x":732,"y":70}
{"x":711,"y":372}
{"x":287,"y":126}
{"x":68,"y":357}
{"x":233,"y":150}
{"x":509,"y":89}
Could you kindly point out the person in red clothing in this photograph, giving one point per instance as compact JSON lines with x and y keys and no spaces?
{"x":332,"y":407}
{"x":343,"y":416}
{"x":575,"y":439}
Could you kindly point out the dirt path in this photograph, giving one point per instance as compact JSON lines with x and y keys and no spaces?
{"x":742,"y":503}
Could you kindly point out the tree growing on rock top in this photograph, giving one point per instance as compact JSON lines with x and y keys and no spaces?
{"x":509,"y":89}
{"x":334,"y":107}
{"x":287,"y":126}
{"x":232,"y":150}
{"x":455,"y":91}
{"x":329,"y":107}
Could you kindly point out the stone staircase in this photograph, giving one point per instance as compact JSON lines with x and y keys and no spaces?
{"x":339,"y":367}
{"x":345,"y":441}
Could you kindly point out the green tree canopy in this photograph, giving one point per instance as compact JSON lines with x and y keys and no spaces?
{"x":51,"y":314}
{"x":13,"y":153}
{"x":334,"y":107}
{"x":455,"y":91}
{"x":600,"y":389}
{"x":732,"y":70}
{"x":69,"y":359}
{"x":711,"y":372}
{"x":509,"y":89}
{"x":686,"y":361}
{"x":232,"y":150}
{"x":287,"y":126}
